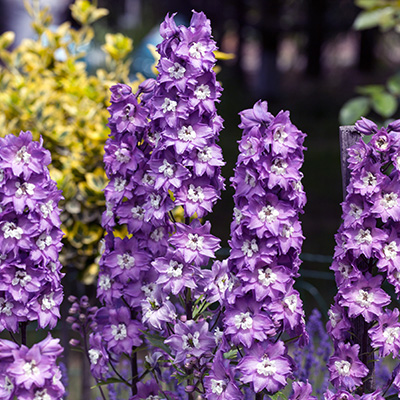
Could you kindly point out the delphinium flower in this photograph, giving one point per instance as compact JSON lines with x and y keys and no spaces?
{"x":266,"y":240}
{"x":30,"y":272}
{"x":30,"y":373}
{"x":366,"y":254}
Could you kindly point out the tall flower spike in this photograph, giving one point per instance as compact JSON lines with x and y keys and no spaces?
{"x":30,"y":272}
{"x":366,"y":254}
{"x":266,"y":240}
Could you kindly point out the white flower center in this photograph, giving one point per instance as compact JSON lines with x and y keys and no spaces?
{"x":1,"y":174}
{"x":364,"y":298}
{"x":24,"y":189}
{"x":364,"y":236}
{"x":12,"y":231}
{"x":355,"y":211}
{"x":119,"y":331}
{"x":48,"y":302}
{"x":105,"y":282}
{"x":195,"y":242}
{"x":148,"y":289}
{"x":390,"y":250}
{"x":382,"y":143}
{"x":369,"y":180}
{"x":343,"y":367}
{"x":250,"y":180}
{"x":21,"y":278}
{"x":44,"y":241}
{"x":202,"y":92}
{"x":334,"y":318}
{"x":174,"y":269}
{"x":137,"y":212}
{"x":8,"y":385}
{"x":218,"y":386}
{"x":155,"y":200}
{"x":166,"y":169}
{"x":279,"y":166}
{"x":243,"y":321}
{"x":187,"y":133}
{"x":266,"y":277}
{"x":30,"y":368}
{"x":287,"y":231}
{"x":249,"y":248}
{"x":197,"y":50}
{"x":6,"y":307}
{"x":237,"y":215}
{"x":280,"y":135}
{"x":125,"y":261}
{"x":191,"y":341}
{"x":176,"y":71}
{"x":47,"y":208}
{"x":22,"y":155}
{"x":148,"y":179}
{"x":204,"y":155}
{"x":266,"y":367}
{"x":94,"y":355}
{"x":290,"y":302}
{"x":119,"y":184}
{"x":195,"y":194}
{"x":157,"y":234}
{"x":169,"y":105}
{"x":389,"y":200}
{"x":344,"y":270}
{"x":391,"y":334}
{"x":268,"y":214}
{"x":122,"y":156}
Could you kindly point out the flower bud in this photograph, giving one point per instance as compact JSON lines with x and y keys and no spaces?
{"x":190,"y":388}
{"x":74,"y":342}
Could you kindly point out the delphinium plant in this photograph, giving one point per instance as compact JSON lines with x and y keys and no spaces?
{"x":366,"y":256}
{"x":263,"y":311}
{"x":30,"y":272}
{"x":161,"y":158}
{"x":217,"y":329}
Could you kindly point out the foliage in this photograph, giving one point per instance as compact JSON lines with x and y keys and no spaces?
{"x":381,"y":99}
{"x":45,"y":88}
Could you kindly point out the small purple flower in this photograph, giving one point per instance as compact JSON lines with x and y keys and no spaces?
{"x":191,"y":338}
{"x":220,"y":383}
{"x":365,"y":297}
{"x":302,"y":391}
{"x":346,"y":369}
{"x":266,"y":366}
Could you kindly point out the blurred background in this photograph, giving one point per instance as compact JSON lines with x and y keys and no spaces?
{"x":306,"y":56}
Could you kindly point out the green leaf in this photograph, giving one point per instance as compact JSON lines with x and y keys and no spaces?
{"x":370,"y":90}
{"x":393,"y":84}
{"x":383,"y":17}
{"x":107,"y":382}
{"x":231,"y":354}
{"x":385,"y":104}
{"x":353,"y":109}
{"x":158,"y":341}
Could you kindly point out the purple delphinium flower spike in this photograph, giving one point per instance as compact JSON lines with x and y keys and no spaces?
{"x":266,"y":240}
{"x":366,"y":254}
{"x":30,"y":235}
